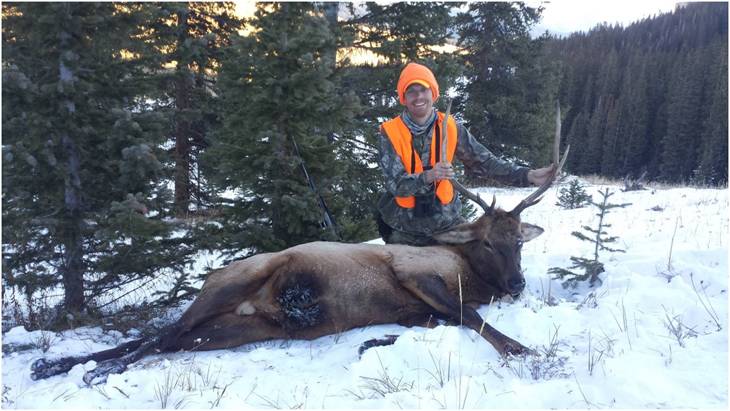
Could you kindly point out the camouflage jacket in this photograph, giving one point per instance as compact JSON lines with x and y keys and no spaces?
{"x":477,"y":159}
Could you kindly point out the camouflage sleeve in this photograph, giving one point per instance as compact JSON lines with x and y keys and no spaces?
{"x":480,"y":162}
{"x":397,"y":181}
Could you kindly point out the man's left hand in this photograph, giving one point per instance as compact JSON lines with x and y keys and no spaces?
{"x":541,"y":175}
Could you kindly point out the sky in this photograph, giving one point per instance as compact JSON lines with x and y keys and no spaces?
{"x":563,"y":17}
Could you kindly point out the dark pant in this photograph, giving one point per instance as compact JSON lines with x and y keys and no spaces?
{"x":392,"y":236}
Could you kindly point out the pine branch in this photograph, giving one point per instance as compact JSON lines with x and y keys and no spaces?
{"x":581,"y":236}
{"x":613,"y":250}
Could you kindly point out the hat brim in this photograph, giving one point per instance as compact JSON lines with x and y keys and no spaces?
{"x":421,"y":82}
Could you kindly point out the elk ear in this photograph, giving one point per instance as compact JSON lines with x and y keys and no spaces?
{"x":530,"y":231}
{"x":463,"y":233}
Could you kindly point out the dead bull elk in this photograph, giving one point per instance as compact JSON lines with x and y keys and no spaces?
{"x":322,"y":288}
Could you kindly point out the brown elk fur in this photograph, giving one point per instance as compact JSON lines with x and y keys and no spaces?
{"x":323,"y":288}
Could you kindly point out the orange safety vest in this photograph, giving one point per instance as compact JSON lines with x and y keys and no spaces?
{"x":402,"y":141}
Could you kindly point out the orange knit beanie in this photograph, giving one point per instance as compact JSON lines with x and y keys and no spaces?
{"x":416,"y":73}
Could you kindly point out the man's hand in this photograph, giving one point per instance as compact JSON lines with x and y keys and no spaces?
{"x":541,"y":175}
{"x":440,"y":171}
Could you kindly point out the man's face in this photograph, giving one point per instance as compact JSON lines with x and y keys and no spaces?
{"x":419,"y":101}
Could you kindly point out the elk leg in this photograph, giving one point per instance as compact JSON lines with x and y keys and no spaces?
{"x":433,"y":291}
{"x":116,"y":364}
{"x":227,"y":331}
{"x":222,"y":331}
{"x":43,"y":368}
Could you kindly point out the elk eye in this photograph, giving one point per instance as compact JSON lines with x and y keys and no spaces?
{"x":519,"y":243}
{"x":487,"y":245}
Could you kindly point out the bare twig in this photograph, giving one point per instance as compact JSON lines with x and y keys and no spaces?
{"x":708,"y":306}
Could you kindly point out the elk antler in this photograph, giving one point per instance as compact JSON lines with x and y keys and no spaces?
{"x":457,"y":185}
{"x":534,"y":198}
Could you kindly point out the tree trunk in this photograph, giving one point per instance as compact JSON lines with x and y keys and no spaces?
{"x":331,"y":10}
{"x":182,"y":147}
{"x":72,"y":269}
{"x":183,"y":125}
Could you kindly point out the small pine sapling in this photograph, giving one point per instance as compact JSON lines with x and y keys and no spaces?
{"x":599,"y":237}
{"x":573,"y":196}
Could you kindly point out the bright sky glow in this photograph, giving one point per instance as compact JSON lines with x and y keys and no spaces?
{"x":245,"y":7}
{"x":562,"y":17}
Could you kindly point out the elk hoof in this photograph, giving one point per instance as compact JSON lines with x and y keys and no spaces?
{"x":515,"y":349}
{"x":99,"y":374}
{"x":39,"y":369}
{"x":43,"y":368}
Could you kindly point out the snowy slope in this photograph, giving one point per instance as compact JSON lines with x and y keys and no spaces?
{"x":651,"y":336}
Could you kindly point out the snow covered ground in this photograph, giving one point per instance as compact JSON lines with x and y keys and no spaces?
{"x":653,"y":335}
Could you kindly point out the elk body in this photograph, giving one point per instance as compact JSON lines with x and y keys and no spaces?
{"x":322,"y":288}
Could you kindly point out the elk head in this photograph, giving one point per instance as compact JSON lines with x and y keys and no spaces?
{"x":493,"y":243}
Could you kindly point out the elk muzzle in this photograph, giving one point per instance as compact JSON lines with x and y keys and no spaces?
{"x":515,"y":285}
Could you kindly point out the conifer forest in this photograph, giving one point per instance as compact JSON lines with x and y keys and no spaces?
{"x":135,"y":135}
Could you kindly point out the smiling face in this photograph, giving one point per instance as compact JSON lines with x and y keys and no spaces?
{"x":419,"y":102}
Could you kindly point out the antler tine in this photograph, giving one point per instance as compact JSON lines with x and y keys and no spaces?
{"x":474,"y":197}
{"x":457,"y":185}
{"x":558,"y":163}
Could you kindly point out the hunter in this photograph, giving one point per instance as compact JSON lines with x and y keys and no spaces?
{"x":419,"y":200}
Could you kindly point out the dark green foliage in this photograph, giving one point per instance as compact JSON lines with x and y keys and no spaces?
{"x":511,"y":89}
{"x":712,"y":153}
{"x":185,"y":42}
{"x":592,"y":267}
{"x":80,"y":156}
{"x":279,"y":93}
{"x":573,"y":196}
{"x":651,"y":97}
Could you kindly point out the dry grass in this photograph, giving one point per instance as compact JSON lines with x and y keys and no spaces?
{"x":651,"y":185}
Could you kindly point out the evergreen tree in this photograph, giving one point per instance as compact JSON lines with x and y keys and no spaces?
{"x":712,"y":153}
{"x":573,"y":196}
{"x":81,"y":168}
{"x":592,"y":267}
{"x":635,"y":113}
{"x":612,"y":138}
{"x":185,"y":42}
{"x":595,"y":130}
{"x":576,"y":137}
{"x":511,"y":91}
{"x":645,"y":94}
{"x":280,"y":105}
{"x":683,"y":121}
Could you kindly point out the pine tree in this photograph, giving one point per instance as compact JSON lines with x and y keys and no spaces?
{"x":573,"y":196}
{"x":712,"y":153}
{"x":280,"y":106}
{"x":655,"y":84}
{"x":595,"y":131}
{"x":678,"y":154}
{"x":511,"y":90}
{"x":185,"y":42}
{"x":578,"y":118}
{"x":592,"y":267}
{"x":613,"y":130}
{"x":81,"y":159}
{"x":636,"y":112}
